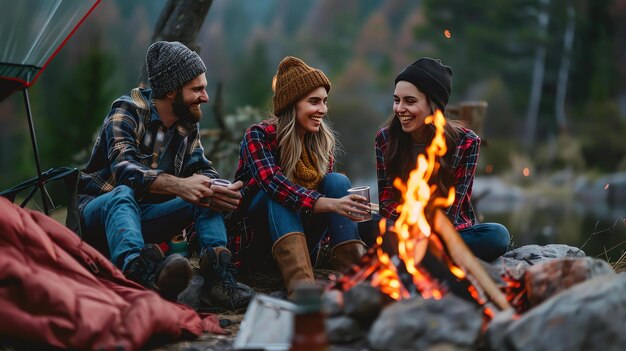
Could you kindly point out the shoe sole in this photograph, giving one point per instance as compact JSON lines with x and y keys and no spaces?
{"x":177,"y":267}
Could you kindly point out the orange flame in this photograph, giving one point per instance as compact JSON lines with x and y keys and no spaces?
{"x":412,"y":227}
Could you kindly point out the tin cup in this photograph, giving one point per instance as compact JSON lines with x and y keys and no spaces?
{"x":220,"y":182}
{"x":365,"y":192}
{"x":216,"y":182}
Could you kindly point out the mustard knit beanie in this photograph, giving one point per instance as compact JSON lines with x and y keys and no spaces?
{"x":293,"y":81}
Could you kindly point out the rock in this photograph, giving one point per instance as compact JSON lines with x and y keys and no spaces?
{"x":332,"y":302}
{"x":363,"y":303}
{"x":551,"y":277}
{"x":515,"y":262}
{"x":418,"y":324}
{"x":588,"y":316}
{"x":191,"y":295}
{"x":343,"y":329}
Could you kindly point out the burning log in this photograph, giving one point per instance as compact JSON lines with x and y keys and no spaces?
{"x":462,"y":255}
{"x":442,"y":269}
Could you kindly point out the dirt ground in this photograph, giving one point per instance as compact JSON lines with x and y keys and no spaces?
{"x":264,"y":283}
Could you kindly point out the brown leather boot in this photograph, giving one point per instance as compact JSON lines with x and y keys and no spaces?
{"x":347,"y":253}
{"x":292,"y":255}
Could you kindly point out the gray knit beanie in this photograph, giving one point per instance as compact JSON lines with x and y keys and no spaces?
{"x":171,"y":65}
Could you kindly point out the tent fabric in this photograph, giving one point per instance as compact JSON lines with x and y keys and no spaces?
{"x":32,"y":32}
{"x":58,"y":291}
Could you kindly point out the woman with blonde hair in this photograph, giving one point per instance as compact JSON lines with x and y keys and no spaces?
{"x":291,"y":196}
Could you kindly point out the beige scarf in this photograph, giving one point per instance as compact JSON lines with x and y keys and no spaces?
{"x":305,"y":173}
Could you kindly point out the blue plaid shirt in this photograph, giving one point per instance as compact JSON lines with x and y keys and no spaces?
{"x":124,"y":152}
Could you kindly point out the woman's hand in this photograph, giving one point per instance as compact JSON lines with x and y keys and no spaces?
{"x":351,"y":206}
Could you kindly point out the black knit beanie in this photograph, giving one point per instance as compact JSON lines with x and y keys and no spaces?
{"x":431,"y":77}
{"x":171,"y":65}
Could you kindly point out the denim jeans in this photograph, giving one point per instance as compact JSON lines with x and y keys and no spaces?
{"x":117,"y":223}
{"x":270,"y":218}
{"x":487,"y":241}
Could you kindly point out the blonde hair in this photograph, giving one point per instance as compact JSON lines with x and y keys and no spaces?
{"x":320,"y":144}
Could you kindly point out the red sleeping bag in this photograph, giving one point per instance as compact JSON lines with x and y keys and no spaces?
{"x":57,"y":290}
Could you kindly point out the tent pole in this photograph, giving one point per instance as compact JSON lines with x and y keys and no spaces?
{"x":41,"y":182}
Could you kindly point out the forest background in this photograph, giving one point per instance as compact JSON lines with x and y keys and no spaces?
{"x":552,"y":72}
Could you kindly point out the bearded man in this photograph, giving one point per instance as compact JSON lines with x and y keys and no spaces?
{"x":147,"y":179}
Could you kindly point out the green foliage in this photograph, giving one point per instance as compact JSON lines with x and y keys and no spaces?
{"x":594,"y":72}
{"x":79,"y":107}
{"x":495,"y":156}
{"x":224,"y":151}
{"x":255,"y":76}
{"x":602,"y":134}
{"x":561,"y":152}
{"x":360,"y":45}
{"x":489,"y":35}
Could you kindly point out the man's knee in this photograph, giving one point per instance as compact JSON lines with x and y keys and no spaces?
{"x":122,"y":191}
{"x":121,"y":194}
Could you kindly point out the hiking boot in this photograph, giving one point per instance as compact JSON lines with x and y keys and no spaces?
{"x":220,"y":288}
{"x":167,"y":276}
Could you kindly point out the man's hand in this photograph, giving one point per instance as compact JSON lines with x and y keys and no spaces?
{"x":191,"y":189}
{"x":198,"y":187}
{"x":226,"y":198}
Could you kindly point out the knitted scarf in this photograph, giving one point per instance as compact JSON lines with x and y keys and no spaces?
{"x":305,"y":173}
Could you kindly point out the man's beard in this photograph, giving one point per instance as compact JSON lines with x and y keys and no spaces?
{"x":184,"y":111}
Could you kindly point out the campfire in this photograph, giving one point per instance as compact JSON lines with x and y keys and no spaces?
{"x":422,"y":253}
{"x":419,"y":286}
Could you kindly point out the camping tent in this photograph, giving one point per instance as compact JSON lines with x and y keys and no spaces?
{"x":33,"y":32}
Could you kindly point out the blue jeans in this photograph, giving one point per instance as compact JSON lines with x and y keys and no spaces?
{"x":487,"y":241}
{"x":116,"y":222}
{"x":270,"y":218}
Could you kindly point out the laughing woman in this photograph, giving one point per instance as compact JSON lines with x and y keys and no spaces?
{"x":291,"y":197}
{"x":421,"y":88}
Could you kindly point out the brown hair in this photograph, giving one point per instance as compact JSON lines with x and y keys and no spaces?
{"x":399,"y":153}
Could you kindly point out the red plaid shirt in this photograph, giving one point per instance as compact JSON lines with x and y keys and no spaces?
{"x":465,"y":159}
{"x":259,"y":168}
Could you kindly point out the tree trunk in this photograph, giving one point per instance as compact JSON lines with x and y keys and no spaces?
{"x":561,"y":88}
{"x":537,"y":83}
{"x":181,"y":21}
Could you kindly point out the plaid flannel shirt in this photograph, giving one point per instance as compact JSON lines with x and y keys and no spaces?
{"x":124,"y":149}
{"x":259,"y":169}
{"x":464,"y":163}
